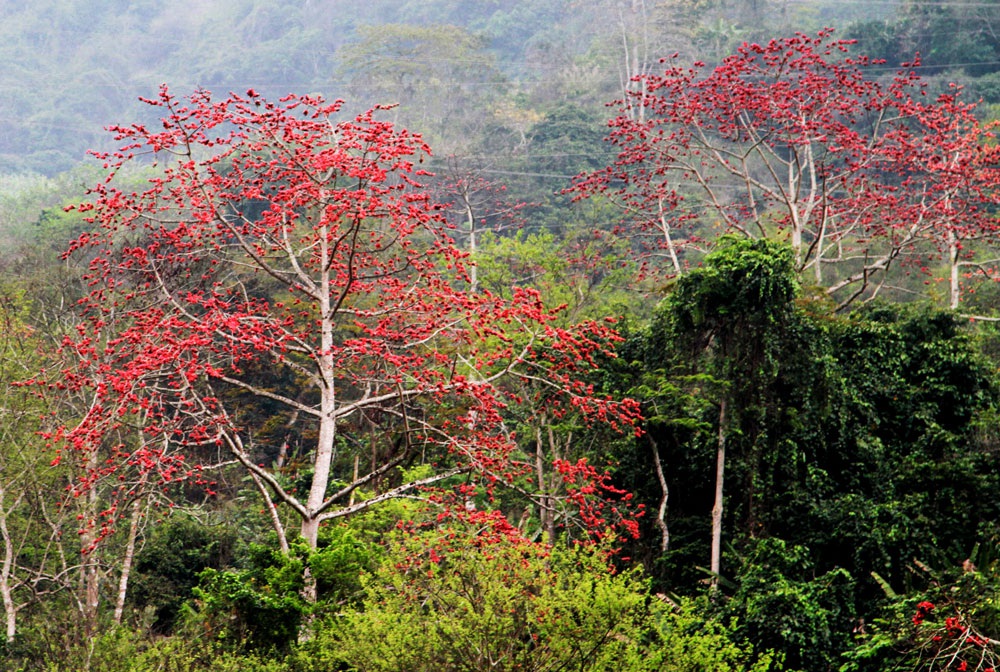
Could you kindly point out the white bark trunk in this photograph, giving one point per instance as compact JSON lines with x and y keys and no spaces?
{"x":661,"y":515}
{"x":327,"y":425}
{"x":133,"y":533}
{"x":471,"y":219}
{"x":720,"y":466}
{"x":6,"y":573}
{"x":668,"y":239}
{"x":955,"y":284}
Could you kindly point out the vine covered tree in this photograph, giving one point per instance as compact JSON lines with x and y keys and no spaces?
{"x":724,"y":320}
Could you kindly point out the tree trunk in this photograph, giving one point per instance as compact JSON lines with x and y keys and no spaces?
{"x":6,"y":589}
{"x":955,"y":283}
{"x":471,"y":219}
{"x":133,"y":533}
{"x":326,"y":441}
{"x":90,"y":571}
{"x":661,"y":516}
{"x":720,"y":466}
{"x":668,"y":239}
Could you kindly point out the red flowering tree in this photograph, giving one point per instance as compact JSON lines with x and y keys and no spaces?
{"x":284,"y":294}
{"x":953,"y":643}
{"x":953,"y":180}
{"x":798,"y":139}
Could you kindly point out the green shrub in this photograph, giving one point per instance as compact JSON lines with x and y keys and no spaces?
{"x":454,"y":601}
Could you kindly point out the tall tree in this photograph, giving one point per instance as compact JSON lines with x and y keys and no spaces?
{"x":285,"y":265}
{"x":723,"y":324}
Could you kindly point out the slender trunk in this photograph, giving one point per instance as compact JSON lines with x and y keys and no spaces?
{"x":6,"y":589}
{"x":720,"y":466}
{"x":818,"y":261}
{"x":272,"y":512}
{"x":661,"y":516}
{"x":327,"y":425}
{"x":91,"y":581}
{"x":91,"y":578}
{"x":543,"y":500}
{"x":324,"y":460}
{"x":133,"y":533}
{"x":668,"y":239}
{"x":326,"y":441}
{"x":91,"y":588}
{"x":357,"y":464}
{"x":471,"y":219}
{"x":955,"y":286}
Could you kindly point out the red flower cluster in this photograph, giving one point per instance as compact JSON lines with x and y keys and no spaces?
{"x":923,"y":610}
{"x":953,"y":644}
{"x":953,"y":626}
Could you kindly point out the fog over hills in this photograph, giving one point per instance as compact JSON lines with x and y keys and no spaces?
{"x":72,"y":67}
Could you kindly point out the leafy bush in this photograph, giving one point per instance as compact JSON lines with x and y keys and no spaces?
{"x":461,"y":601}
{"x":126,"y":650}
{"x":258,"y":608}
{"x":168,"y":566}
{"x":952,"y":623}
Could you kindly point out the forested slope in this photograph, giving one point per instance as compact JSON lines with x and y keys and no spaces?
{"x":580,"y":335}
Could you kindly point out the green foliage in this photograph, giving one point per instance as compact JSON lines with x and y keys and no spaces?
{"x":124,"y":650}
{"x":338,"y":562}
{"x":260,"y":605}
{"x":540,"y":260}
{"x":907,"y":478}
{"x":725,"y":329}
{"x":167,"y":567}
{"x":743,"y":286}
{"x":729,"y":331}
{"x":854,"y":438}
{"x":687,"y":639}
{"x":855,"y":445}
{"x":952,"y":621}
{"x":527,"y":608}
{"x":449,"y":601}
{"x":502,"y":607}
{"x":258,"y":608}
{"x":782,"y":604}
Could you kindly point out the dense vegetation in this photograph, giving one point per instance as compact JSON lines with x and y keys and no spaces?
{"x":546,"y":392}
